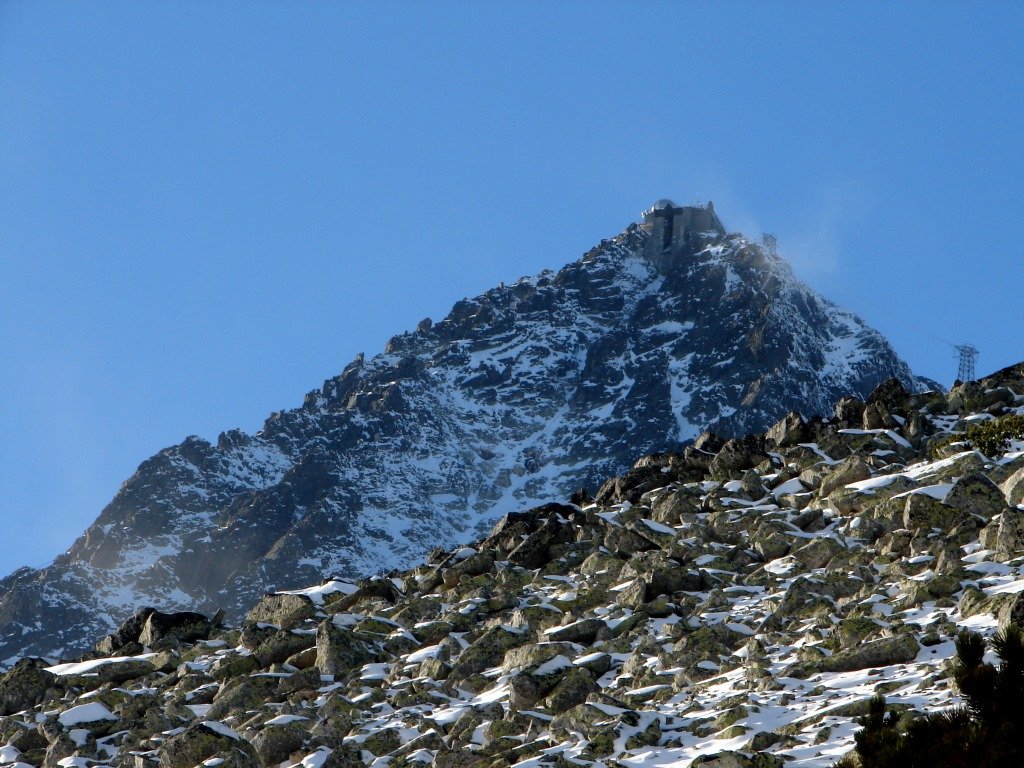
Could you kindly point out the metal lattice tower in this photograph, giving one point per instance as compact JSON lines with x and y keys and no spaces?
{"x":769,"y":243}
{"x":967,"y":354}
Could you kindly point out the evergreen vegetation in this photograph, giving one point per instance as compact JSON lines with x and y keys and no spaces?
{"x":986,"y":732}
{"x":993,"y":437}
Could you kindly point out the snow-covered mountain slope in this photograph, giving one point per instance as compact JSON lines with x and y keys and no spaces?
{"x":519,"y":396}
{"x":728,"y":610}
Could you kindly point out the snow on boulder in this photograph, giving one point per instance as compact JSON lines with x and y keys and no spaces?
{"x":218,"y":727}
{"x":93,"y":712}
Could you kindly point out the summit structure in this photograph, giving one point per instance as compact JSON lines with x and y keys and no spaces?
{"x":520,"y":396}
{"x":672,"y":227}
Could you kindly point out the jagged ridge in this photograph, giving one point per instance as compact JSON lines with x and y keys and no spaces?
{"x":518,"y":396}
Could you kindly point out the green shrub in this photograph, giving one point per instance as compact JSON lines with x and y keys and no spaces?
{"x":993,"y":437}
{"x":984,"y":733}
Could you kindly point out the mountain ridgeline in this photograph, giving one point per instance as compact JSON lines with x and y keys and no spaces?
{"x":517,"y":398}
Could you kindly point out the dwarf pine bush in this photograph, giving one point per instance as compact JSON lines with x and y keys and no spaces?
{"x":993,"y":436}
{"x":986,"y":732}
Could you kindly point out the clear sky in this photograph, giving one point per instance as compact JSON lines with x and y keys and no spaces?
{"x":206,"y":209}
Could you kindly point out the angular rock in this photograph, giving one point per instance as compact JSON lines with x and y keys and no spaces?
{"x":534,"y":550}
{"x":851,"y":470}
{"x":127,"y":632}
{"x":122,"y":671}
{"x":533,"y":683}
{"x":282,"y":610}
{"x":184,"y":627}
{"x":238,"y":696}
{"x":200,"y":742}
{"x":818,"y":552}
{"x":274,"y":647}
{"x":1013,"y":488}
{"x":535,"y":654}
{"x":274,"y":743}
{"x":572,"y":689}
{"x":849,"y":411}
{"x":737,"y":454}
{"x":738,"y":760}
{"x":924,"y":512}
{"x":585,"y":631}
{"x":25,"y":685}
{"x":338,"y":651}
{"x":1010,"y":612}
{"x":382,"y":742}
{"x":974,"y":494}
{"x":630,"y":486}
{"x":487,"y":651}
{"x":790,"y":430}
{"x":900,"y":649}
{"x":1010,"y":536}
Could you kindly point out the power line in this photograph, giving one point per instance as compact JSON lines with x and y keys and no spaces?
{"x":967,"y":354}
{"x":897,"y":318}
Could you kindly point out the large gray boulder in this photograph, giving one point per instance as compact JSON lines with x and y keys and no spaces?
{"x":790,"y":430}
{"x":236,"y":697}
{"x":25,"y":685}
{"x":122,"y":671}
{"x":282,"y":610}
{"x":817,"y":553}
{"x":274,"y":743}
{"x":1011,"y":611}
{"x":203,"y":740}
{"x":487,"y":650}
{"x":163,"y":629}
{"x":127,"y":633}
{"x":851,"y":470}
{"x":572,"y":689}
{"x":900,"y":649}
{"x":338,"y":650}
{"x":974,"y":494}
{"x":924,"y":512}
{"x":1013,"y":488}
{"x":1010,"y":536}
{"x":737,"y":454}
{"x":738,"y":760}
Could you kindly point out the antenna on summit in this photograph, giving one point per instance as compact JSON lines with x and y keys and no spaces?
{"x":967,"y":354}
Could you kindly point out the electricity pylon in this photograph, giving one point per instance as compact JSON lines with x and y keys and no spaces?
{"x":967,"y":354}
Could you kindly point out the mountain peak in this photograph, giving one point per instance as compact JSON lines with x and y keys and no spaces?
{"x":517,"y":397}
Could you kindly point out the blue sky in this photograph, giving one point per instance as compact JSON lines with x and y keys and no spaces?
{"x":206,"y":209}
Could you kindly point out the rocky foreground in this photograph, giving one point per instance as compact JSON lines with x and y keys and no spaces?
{"x":732,"y":606}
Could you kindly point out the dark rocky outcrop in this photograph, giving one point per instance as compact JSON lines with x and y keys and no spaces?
{"x":25,"y":685}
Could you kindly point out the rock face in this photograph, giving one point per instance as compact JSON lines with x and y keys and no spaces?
{"x":669,"y":625}
{"x":518,"y":396}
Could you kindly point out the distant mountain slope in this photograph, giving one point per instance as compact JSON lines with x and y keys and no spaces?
{"x":518,"y":397}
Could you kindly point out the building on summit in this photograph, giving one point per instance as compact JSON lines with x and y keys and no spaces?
{"x":676,"y":227}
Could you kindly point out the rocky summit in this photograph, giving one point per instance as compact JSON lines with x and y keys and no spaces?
{"x":732,"y":605}
{"x":517,"y":397}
